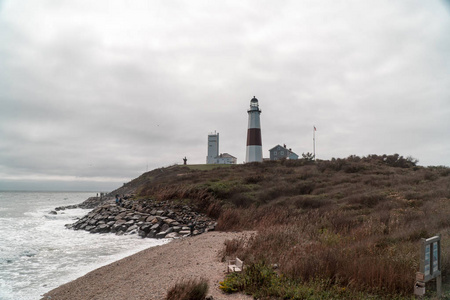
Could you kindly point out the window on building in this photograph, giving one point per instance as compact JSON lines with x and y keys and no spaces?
{"x":281,"y":152}
{"x":274,"y":152}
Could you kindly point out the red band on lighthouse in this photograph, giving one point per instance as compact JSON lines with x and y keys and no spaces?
{"x":254,"y":137}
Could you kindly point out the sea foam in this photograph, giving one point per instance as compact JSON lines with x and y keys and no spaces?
{"x":37,"y":252}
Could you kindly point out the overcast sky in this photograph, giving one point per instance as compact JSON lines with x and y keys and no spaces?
{"x":93,"y":93}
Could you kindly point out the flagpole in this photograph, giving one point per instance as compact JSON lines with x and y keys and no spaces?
{"x":314,"y":142}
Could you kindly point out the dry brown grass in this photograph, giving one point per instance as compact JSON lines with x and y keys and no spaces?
{"x":356,"y":222}
{"x":194,"y":289}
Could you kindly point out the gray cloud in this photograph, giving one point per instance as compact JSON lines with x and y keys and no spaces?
{"x":98,"y":90}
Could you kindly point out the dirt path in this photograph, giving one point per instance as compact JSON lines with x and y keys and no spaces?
{"x":150,"y":273}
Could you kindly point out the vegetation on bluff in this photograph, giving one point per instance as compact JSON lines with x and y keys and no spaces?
{"x":348,"y":227}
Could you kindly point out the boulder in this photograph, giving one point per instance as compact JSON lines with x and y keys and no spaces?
{"x":131,"y":228}
{"x":89,"y":228}
{"x":135,"y":217}
{"x":160,"y":235}
{"x":103,"y":228}
{"x":120,"y":216}
{"x":146,"y":228}
{"x":130,"y":223}
{"x":172,"y":235}
{"x":129,"y":216}
{"x":155,"y":227}
{"x":120,"y":222}
{"x":115,"y":228}
{"x":149,"y":218}
{"x":164,"y":227}
{"x":169,"y":221}
{"x":152,"y":234}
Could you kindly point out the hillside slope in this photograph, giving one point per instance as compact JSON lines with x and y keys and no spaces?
{"x":355,"y":223}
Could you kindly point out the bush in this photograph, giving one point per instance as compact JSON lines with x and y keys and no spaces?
{"x":194,"y":289}
{"x":305,"y":202}
{"x":262,"y":282}
{"x":233,"y":247}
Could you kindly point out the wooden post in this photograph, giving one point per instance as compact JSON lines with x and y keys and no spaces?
{"x":439,"y":277}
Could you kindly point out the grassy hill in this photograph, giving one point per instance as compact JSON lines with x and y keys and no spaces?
{"x":346,"y":228}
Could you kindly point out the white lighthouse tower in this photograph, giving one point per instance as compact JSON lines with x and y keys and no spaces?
{"x":254,"y":142}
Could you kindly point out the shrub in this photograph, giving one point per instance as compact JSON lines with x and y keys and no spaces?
{"x":254,"y":179}
{"x":262,"y":282}
{"x":368,"y":200}
{"x":194,"y":289}
{"x":214,"y":210}
{"x":233,"y":247}
{"x":307,"y":202}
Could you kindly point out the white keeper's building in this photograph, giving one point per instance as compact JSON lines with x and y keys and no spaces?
{"x":213,"y":152}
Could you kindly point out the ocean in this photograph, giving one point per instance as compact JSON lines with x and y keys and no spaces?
{"x":38,"y":254}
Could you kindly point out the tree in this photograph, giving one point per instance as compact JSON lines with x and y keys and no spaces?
{"x":308,"y":156}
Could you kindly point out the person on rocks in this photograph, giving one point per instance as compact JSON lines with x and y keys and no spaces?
{"x":192,"y":227}
{"x":118,"y":200}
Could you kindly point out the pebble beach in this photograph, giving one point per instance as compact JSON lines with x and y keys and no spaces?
{"x":150,"y":273}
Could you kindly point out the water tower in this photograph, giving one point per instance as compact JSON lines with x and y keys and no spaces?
{"x":254,"y":142}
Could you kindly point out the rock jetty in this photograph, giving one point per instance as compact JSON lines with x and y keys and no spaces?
{"x":90,"y":203}
{"x":147,"y":218}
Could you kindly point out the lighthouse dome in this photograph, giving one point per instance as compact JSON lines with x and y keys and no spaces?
{"x":254,"y":103}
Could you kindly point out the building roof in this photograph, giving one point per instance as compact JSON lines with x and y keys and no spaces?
{"x":276,"y":146}
{"x":284,"y":148}
{"x":226,"y":155}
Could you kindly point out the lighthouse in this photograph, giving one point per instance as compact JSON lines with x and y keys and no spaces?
{"x":254,"y":143}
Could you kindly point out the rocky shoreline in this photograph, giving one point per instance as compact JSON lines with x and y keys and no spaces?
{"x":148,"y":218}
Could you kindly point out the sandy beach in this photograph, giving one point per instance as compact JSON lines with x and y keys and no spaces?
{"x":150,"y":273}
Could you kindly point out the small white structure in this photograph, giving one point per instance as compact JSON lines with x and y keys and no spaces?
{"x":254,"y":142}
{"x":213,"y":152}
{"x":235,"y":265}
{"x":226,"y":159}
